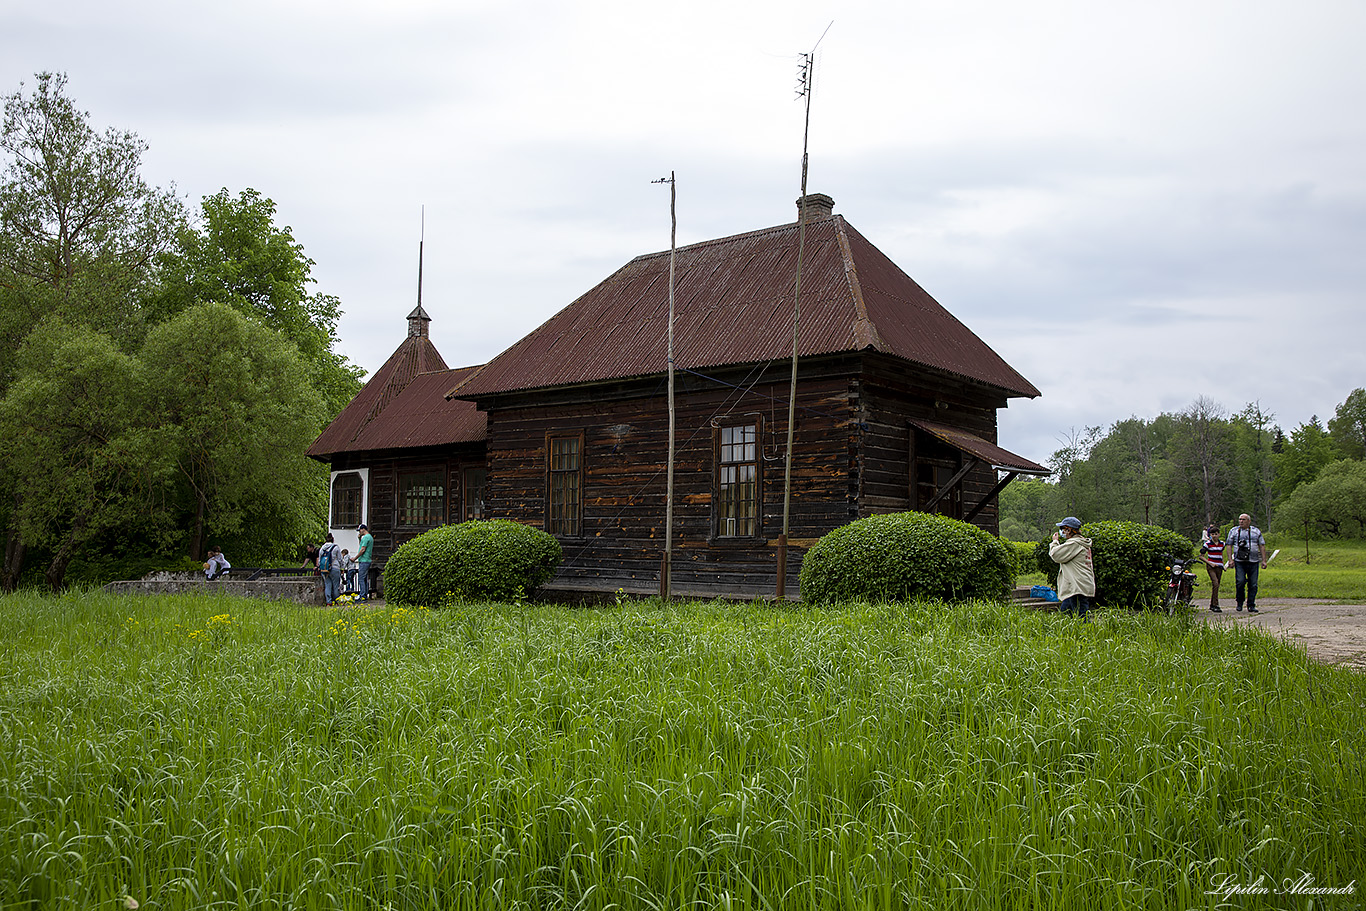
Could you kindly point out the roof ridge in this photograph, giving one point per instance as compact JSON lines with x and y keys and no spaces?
{"x":403,"y":367}
{"x":474,"y":369}
{"x":730,"y":238}
{"x":865,"y":330}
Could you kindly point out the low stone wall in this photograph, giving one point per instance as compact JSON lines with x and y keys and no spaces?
{"x":302,"y":591}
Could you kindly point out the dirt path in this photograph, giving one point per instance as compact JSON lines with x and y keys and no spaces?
{"x":1332,"y":633}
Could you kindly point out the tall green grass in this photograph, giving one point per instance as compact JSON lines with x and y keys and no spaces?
{"x":193,"y":752}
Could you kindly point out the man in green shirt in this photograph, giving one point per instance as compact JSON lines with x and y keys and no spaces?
{"x":363,"y":558}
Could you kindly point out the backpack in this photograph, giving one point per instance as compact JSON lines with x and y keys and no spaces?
{"x":325,"y":558}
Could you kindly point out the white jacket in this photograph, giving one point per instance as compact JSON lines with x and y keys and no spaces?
{"x":1076,"y":575}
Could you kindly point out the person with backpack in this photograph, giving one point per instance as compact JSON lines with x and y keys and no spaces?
{"x":329,"y":565}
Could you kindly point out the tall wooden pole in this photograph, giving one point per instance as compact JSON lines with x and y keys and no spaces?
{"x":807,"y":65}
{"x":666,"y":569}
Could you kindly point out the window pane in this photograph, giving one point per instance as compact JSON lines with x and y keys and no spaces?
{"x":564,"y":455}
{"x":565,"y":486}
{"x":422,"y":499}
{"x":347,"y":492}
{"x":738,"y":481}
{"x":474,"y":493}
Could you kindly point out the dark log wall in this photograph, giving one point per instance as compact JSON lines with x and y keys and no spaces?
{"x":852,"y":458}
{"x":890,"y":395}
{"x":625,"y":433}
{"x":385,"y":468}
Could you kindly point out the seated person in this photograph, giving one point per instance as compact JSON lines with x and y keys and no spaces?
{"x":217,"y":565}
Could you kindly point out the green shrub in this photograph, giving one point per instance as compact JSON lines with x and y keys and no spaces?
{"x":497,"y":560}
{"x":1023,"y":554}
{"x":1128,"y":558}
{"x":906,"y":555}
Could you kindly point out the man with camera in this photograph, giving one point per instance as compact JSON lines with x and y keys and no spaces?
{"x":1246,"y":550}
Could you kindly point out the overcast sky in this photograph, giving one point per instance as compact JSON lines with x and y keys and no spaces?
{"x":1134,"y":203}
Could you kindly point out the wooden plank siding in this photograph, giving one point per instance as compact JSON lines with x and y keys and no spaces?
{"x":851,"y":458}
{"x":625,"y":433}
{"x":890,"y":397}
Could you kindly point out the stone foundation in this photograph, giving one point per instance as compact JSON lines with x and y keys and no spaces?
{"x":302,"y":591}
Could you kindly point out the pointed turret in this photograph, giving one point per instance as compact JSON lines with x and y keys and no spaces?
{"x":417,"y":322}
{"x":414,"y":356}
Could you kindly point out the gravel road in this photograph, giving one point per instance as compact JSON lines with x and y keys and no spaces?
{"x":1332,"y":633}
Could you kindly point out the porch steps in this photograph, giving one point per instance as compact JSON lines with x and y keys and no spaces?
{"x":1021,"y":596}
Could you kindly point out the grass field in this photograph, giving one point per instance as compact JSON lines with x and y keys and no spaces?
{"x":202,"y":752}
{"x":1333,"y":570}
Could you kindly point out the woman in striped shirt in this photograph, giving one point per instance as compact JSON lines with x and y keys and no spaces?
{"x":1213,"y":552}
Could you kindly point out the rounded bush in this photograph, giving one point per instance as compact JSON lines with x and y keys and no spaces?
{"x":906,"y":555}
{"x":1129,"y":561}
{"x":1023,"y":552}
{"x":494,"y":559}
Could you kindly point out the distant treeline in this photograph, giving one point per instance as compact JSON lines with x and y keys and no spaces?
{"x":1201,"y":465}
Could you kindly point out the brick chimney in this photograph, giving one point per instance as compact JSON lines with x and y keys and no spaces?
{"x":417,"y":322}
{"x":817,"y":205}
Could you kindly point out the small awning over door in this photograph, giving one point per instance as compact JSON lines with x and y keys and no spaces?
{"x":980,"y":449}
{"x":977,"y":450}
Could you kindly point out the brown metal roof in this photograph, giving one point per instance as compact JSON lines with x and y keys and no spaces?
{"x":360,"y":421}
{"x":421,"y":415}
{"x":974,"y":445}
{"x":733,"y":305}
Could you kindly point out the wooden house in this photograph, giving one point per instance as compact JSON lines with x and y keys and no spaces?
{"x":896,"y":410}
{"x":404,"y":458}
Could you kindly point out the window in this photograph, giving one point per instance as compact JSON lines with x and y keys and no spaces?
{"x":348,"y":490}
{"x":737,"y":495}
{"x":474,"y":493}
{"x":565,"y":484}
{"x":422,"y":498}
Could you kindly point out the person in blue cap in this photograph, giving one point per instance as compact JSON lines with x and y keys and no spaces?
{"x":1076,"y":574}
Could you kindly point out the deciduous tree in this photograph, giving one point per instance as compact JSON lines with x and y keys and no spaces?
{"x":66,"y":441}
{"x":1334,"y":503}
{"x":1201,"y":451}
{"x":1303,"y":455}
{"x":238,"y":256}
{"x":1348,"y":425}
{"x":80,"y":225}
{"x":79,"y":228}
{"x":1254,"y":435}
{"x":230,"y":404}
{"x":1026,"y":511}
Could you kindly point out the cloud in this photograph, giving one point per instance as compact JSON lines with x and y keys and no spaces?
{"x":1167,"y":196}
